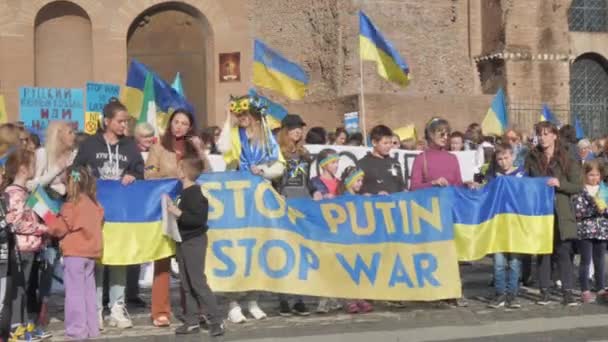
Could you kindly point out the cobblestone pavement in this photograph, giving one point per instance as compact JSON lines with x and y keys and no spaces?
{"x":416,"y":322}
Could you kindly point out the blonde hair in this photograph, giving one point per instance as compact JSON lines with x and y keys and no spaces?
{"x":54,"y":145}
{"x":143,"y":128}
{"x":288,"y":147}
{"x":81,"y":181}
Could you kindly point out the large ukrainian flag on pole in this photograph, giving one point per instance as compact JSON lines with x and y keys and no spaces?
{"x":275,"y":72}
{"x":166,"y":98}
{"x":495,"y":121}
{"x":375,"y":48}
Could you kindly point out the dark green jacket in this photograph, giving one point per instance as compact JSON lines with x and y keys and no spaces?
{"x":570,"y":184}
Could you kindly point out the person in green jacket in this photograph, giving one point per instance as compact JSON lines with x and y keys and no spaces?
{"x":551,"y":159}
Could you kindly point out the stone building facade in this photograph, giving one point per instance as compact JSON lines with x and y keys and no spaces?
{"x":459,"y":51}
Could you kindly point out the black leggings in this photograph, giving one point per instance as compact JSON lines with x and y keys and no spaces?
{"x":596,"y":250}
{"x":562,"y":251}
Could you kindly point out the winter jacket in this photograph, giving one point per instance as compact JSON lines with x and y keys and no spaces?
{"x":26,"y":224}
{"x":570,"y":184}
{"x":79,"y":228}
{"x":591,"y":222}
{"x":102,"y":158}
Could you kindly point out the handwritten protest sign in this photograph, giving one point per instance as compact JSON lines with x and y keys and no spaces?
{"x":39,"y":106}
{"x":98,"y":94}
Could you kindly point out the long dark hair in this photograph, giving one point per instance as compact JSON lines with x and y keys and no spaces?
{"x":560,"y":155}
{"x":168,"y":139}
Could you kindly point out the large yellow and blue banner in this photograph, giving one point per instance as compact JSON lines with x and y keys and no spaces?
{"x":403,"y":246}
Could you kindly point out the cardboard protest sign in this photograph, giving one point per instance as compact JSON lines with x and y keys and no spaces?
{"x":39,"y":106}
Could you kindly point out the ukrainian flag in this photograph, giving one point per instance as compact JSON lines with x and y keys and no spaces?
{"x":509,"y":215}
{"x":275,"y":72}
{"x":276,"y":112}
{"x":167,"y":99}
{"x":133,"y":233}
{"x":495,"y":121}
{"x":547,"y":115}
{"x":373,"y":47}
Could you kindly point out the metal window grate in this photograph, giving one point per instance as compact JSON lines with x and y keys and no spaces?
{"x":589,"y":95}
{"x":524,"y":114}
{"x":588,"y":16}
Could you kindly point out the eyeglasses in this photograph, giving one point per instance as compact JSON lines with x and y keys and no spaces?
{"x":443,"y":134}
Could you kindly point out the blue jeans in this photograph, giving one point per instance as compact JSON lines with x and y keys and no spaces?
{"x":507,"y":268}
{"x":117,"y":281}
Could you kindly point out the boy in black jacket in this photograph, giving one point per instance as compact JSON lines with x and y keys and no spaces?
{"x":191,"y":213}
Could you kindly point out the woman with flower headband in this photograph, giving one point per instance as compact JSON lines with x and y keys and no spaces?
{"x":248,"y":145}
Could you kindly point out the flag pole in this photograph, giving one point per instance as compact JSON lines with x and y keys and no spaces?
{"x":362,"y":103}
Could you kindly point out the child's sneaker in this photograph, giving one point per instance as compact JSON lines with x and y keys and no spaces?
{"x":323,"y":306}
{"x":255,"y":310}
{"x":300,"y":309}
{"x":498,"y":302}
{"x":587,"y":297}
{"x":513,"y":302}
{"x":38,"y":332}
{"x":119,"y":317}
{"x":365,"y":306}
{"x":20,"y":333}
{"x":235,"y":315}
{"x":569,"y":300}
{"x":284,"y":309}
{"x":352,"y":308}
{"x":217,"y":330}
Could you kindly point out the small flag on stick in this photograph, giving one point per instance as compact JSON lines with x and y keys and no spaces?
{"x":45,"y":207}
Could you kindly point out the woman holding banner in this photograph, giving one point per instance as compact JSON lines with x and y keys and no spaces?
{"x":112,"y":156}
{"x":436,"y":167}
{"x":551,"y":159}
{"x":178,"y":142}
{"x":293,"y":184}
{"x":249,"y":146}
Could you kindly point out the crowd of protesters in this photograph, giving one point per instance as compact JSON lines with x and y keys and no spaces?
{"x":68,"y":163}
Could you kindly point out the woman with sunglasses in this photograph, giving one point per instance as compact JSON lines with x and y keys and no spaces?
{"x":435,"y":166}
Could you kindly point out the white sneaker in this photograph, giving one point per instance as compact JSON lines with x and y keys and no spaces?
{"x":119,"y":317}
{"x":235,"y":315}
{"x":255,"y":310}
{"x":323,"y":306}
{"x":100,"y":317}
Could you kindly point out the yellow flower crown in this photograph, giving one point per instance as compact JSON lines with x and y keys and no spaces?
{"x":239,"y":104}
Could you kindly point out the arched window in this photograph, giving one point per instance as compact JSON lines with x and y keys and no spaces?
{"x":63,"y":46}
{"x":588,"y":16}
{"x":589,"y":93}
